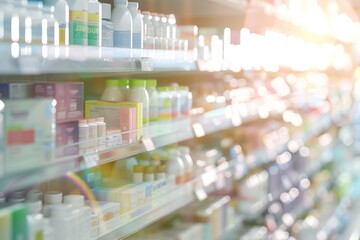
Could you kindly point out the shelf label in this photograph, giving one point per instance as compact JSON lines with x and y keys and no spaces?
{"x":148,"y":143}
{"x":91,"y":160}
{"x":198,"y":130}
{"x":146,"y":64}
{"x":201,"y":194}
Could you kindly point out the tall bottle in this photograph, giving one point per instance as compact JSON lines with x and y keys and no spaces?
{"x":38,"y":225}
{"x":107,"y":35}
{"x":94,"y":23}
{"x":61,"y":16}
{"x":138,"y":93}
{"x":113,"y":92}
{"x":137,"y":40}
{"x":122,"y":21}
{"x":35,"y":10}
{"x":78,"y":22}
{"x":153,"y":100}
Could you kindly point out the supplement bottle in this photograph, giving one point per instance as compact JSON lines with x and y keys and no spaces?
{"x":138,"y":93}
{"x":137,"y":40}
{"x":35,"y":10}
{"x":107,"y":36}
{"x":35,"y":220}
{"x":62,"y":17}
{"x":83,"y":136}
{"x":175,"y":167}
{"x":153,"y":99}
{"x":122,"y":21}
{"x":78,"y":22}
{"x":92,"y":134}
{"x":62,"y":220}
{"x":101,"y":133}
{"x":112,"y":91}
{"x":51,"y":199}
{"x":94,"y":23}
{"x":52,"y":29}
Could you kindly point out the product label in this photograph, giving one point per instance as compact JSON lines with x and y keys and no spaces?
{"x":93,"y":29}
{"x":36,"y":31}
{"x":154,"y":113}
{"x":137,"y":40}
{"x":122,"y":39}
{"x":78,"y":28}
{"x":107,"y":37}
{"x":164,"y":109}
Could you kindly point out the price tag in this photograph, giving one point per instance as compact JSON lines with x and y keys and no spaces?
{"x":91,"y":160}
{"x":148,"y":143}
{"x":235,"y":117}
{"x":198,"y":130}
{"x":201,"y":194}
{"x":146,"y":64}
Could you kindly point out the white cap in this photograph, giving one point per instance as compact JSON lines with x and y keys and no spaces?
{"x":120,"y":2}
{"x":134,"y":5}
{"x":60,"y":210}
{"x":34,"y":207}
{"x":53,"y":197}
{"x":94,"y":7}
{"x":76,"y":201}
{"x":106,"y":11}
{"x":34,"y":195}
{"x":184,"y":149}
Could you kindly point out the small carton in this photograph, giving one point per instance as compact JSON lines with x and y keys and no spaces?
{"x":16,"y":90}
{"x":67,"y":139}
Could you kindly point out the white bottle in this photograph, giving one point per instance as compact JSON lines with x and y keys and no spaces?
{"x":148,"y":31}
{"x":34,"y":195}
{"x":112,"y":91}
{"x":175,"y":167}
{"x":78,"y":20}
{"x":35,"y":220}
{"x":7,"y":11}
{"x":35,"y":11}
{"x":62,"y":16}
{"x":92,"y":134}
{"x":122,"y":21}
{"x":172,"y":30}
{"x":94,"y":23}
{"x":153,"y":100}
{"x":83,"y":136}
{"x":52,"y":29}
{"x":138,"y":93}
{"x":157,"y":30}
{"x":51,"y":199}
{"x":188,"y":162}
{"x":62,"y":220}
{"x":84,"y":214}
{"x":137,"y":40}
{"x":101,"y":133}
{"x":107,"y":36}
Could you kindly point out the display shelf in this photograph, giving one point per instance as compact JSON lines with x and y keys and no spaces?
{"x":148,"y":213}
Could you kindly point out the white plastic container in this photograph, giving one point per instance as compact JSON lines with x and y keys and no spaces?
{"x":101,"y":133}
{"x":107,"y":36}
{"x":35,"y":11}
{"x":83,"y":136}
{"x":122,"y":21}
{"x":35,"y":220}
{"x":153,"y":100}
{"x":92,"y":134}
{"x":175,"y":167}
{"x":185,"y":100}
{"x":137,"y":35}
{"x":51,"y":31}
{"x":51,"y":199}
{"x":94,"y":23}
{"x":34,"y":195}
{"x":78,"y":20}
{"x":188,"y":162}
{"x":62,"y":16}
{"x":156,"y":20}
{"x":148,"y":31}
{"x":83,"y":212}
{"x":112,"y":91}
{"x":7,"y":10}
{"x":138,"y":93}
{"x":62,"y":220}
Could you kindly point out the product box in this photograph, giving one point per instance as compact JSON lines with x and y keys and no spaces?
{"x":69,"y":97}
{"x":67,"y":139}
{"x":105,"y":216}
{"x":118,"y":115}
{"x":16,"y":90}
{"x":28,"y":127}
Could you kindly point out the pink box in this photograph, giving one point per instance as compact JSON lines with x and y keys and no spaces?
{"x":69,"y":97}
{"x":67,"y":139}
{"x":128,"y":124}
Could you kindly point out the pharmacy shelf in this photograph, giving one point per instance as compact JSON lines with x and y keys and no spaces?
{"x":24,"y":59}
{"x":150,"y":212}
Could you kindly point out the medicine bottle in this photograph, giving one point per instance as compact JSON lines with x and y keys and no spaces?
{"x":153,"y":99}
{"x":122,"y":21}
{"x":138,"y":93}
{"x":78,"y":22}
{"x":94,"y":23}
{"x":107,"y":36}
{"x":137,"y":35}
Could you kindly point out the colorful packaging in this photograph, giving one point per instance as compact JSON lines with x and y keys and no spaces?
{"x":28,"y":127}
{"x":69,"y":98}
{"x":67,"y":139}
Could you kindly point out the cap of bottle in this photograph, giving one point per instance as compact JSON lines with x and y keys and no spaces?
{"x":138,"y":169}
{"x":106,"y":11}
{"x":53,"y":197}
{"x":123,"y":82}
{"x":112,"y":83}
{"x":149,"y":169}
{"x":121,"y":2}
{"x":161,"y":169}
{"x":133,"y":5}
{"x":151,"y":83}
{"x":34,"y":195}
{"x":137,"y":83}
{"x":34,"y":206}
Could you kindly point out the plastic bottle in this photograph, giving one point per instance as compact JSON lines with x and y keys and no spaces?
{"x":78,"y":20}
{"x":52,"y":30}
{"x":153,"y":100}
{"x":148,"y":31}
{"x":175,"y":166}
{"x":51,"y":199}
{"x":92,"y":134}
{"x":137,"y":39}
{"x":122,"y":21}
{"x":156,"y":20}
{"x":175,"y":103}
{"x":188,"y":162}
{"x":165,"y":103}
{"x":160,"y":172}
{"x":112,"y":91}
{"x":138,"y":93}
{"x":138,"y":174}
{"x":61,"y":15}
{"x":107,"y":37}
{"x":83,"y":136}
{"x":101,"y":133}
{"x":35,"y":221}
{"x":94,"y":23}
{"x":149,"y":173}
{"x":172,"y":30}
{"x":35,"y":10}
{"x":83,"y":212}
{"x":185,"y":100}
{"x":7,"y":11}
{"x":62,"y":220}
